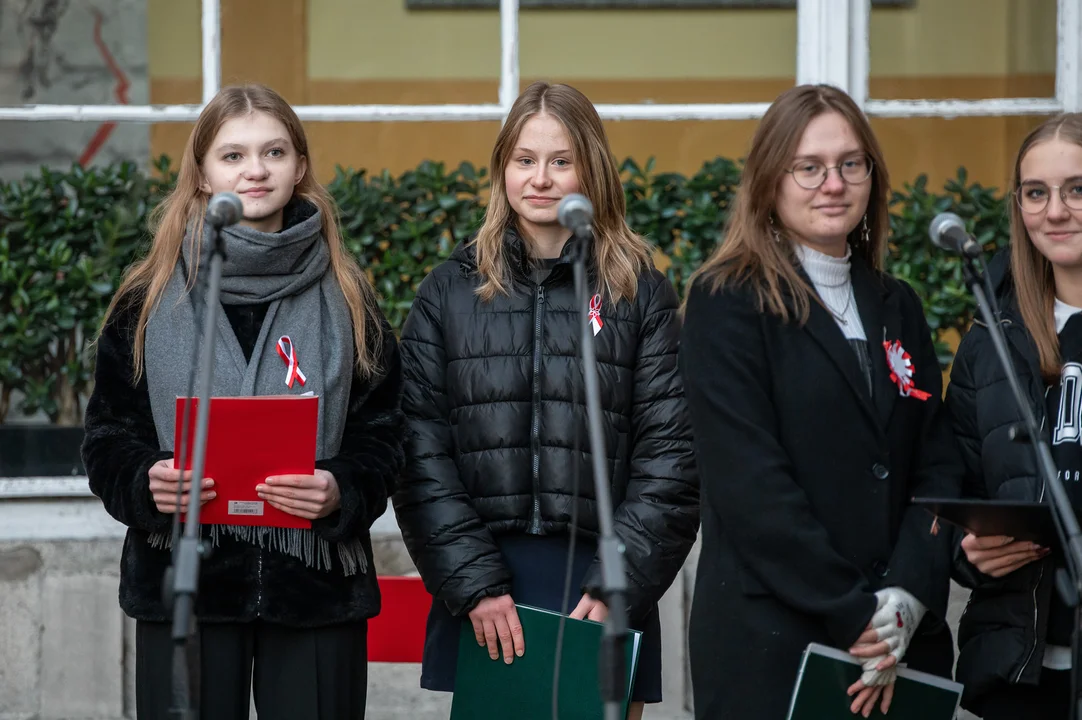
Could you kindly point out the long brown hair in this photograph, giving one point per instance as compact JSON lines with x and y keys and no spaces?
{"x":748,"y":252}
{"x":1034,"y":284}
{"x":619,"y":254}
{"x":186,"y":203}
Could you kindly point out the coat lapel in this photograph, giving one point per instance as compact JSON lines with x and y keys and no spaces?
{"x":881,"y":315}
{"x":824,"y":330}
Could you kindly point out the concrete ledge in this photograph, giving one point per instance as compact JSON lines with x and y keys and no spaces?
{"x":68,"y":651}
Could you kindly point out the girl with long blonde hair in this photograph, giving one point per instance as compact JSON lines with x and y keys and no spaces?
{"x":489,"y":505}
{"x":280,"y":611}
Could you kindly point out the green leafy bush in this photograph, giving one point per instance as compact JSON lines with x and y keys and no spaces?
{"x":66,"y":238}
{"x":934,"y":274}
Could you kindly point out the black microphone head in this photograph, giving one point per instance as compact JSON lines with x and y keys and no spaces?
{"x":224,"y":209}
{"x":948,"y":231}
{"x":575,"y":212}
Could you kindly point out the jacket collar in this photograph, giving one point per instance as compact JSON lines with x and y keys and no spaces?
{"x":1001,"y":279}
{"x":518,"y":255}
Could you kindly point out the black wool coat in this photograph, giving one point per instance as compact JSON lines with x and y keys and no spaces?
{"x":806,"y":481}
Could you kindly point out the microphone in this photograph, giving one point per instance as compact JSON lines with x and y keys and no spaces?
{"x":576,"y":214}
{"x":948,"y":232}
{"x":224,"y":209}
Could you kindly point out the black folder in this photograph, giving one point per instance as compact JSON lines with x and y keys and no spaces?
{"x":1031,"y":521}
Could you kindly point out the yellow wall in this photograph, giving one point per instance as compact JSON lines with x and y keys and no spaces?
{"x":347,"y":52}
{"x":388,"y":42}
{"x":174,"y":38}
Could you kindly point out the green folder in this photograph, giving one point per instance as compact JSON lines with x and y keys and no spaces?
{"x":826,"y":673}
{"x":487,"y":688}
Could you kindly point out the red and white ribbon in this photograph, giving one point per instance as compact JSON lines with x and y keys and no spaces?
{"x":901,"y":370}
{"x":288,"y":353}
{"x":595,"y":314}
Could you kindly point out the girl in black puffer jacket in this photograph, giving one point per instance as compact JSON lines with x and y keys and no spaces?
{"x":495,"y":401}
{"x":1014,"y":655}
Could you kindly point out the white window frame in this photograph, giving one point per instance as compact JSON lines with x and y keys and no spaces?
{"x":832,"y":47}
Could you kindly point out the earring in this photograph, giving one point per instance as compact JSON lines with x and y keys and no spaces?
{"x":865,"y":233}
{"x":774,"y":230}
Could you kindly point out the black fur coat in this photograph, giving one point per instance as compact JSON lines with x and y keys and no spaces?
{"x":239,"y":581}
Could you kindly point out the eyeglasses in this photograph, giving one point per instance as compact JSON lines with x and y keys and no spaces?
{"x":1033,"y":196}
{"x":810,"y":174}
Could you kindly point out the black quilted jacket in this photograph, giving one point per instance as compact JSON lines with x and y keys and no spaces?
{"x":1001,"y":636}
{"x":495,"y":400}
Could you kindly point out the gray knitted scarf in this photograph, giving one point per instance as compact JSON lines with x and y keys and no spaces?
{"x":291,"y":271}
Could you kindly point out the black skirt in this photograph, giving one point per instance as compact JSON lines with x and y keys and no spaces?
{"x":537,"y":565}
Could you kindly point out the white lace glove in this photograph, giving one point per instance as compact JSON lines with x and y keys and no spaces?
{"x":874,"y":678}
{"x":896,"y":618}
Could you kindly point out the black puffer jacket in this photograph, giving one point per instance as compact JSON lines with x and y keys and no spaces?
{"x":1001,"y":637}
{"x":496,"y":405}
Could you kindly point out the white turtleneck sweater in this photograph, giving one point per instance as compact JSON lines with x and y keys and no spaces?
{"x":831,"y":277}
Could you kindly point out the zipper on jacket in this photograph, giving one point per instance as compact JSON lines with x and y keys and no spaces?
{"x":535,"y":405}
{"x":1040,"y":573}
{"x":1029,"y":656}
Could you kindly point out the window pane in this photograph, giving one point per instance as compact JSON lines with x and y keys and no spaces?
{"x":84,"y":53}
{"x":174,"y":42}
{"x":722,"y":55}
{"x":718,"y":55}
{"x":382,"y":53}
{"x":965,"y":49}
{"x":938,"y":147}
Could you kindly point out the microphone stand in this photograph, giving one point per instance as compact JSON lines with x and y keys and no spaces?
{"x":611,"y":550}
{"x":181,"y":583}
{"x":1069,"y":581}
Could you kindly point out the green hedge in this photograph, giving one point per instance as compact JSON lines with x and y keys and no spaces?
{"x":66,"y":237}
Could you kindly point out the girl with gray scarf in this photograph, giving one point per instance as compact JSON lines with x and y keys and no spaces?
{"x":281,"y":612}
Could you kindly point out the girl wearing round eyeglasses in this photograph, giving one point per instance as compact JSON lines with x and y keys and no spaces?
{"x":1014,"y":639}
{"x":814,"y":393}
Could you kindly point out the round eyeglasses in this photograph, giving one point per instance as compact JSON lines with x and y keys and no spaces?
{"x":810,"y":174}
{"x":1033,"y":196}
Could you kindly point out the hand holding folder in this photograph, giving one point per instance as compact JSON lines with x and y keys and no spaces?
{"x":1018,"y":519}
{"x":826,"y":673}
{"x":248,"y":440}
{"x":487,"y":689}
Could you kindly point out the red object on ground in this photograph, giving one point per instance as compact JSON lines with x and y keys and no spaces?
{"x":397,"y":634}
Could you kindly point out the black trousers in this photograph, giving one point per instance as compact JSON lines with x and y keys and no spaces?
{"x":296,"y":674}
{"x":1050,"y":700}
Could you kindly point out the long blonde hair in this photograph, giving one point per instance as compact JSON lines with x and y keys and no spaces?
{"x":186,"y":204}
{"x":620,"y":255}
{"x":749,"y":252}
{"x":1034,"y":283}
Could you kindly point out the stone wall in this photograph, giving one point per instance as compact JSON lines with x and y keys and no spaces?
{"x":66,"y":649}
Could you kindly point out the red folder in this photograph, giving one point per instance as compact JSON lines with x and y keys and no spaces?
{"x":248,"y":440}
